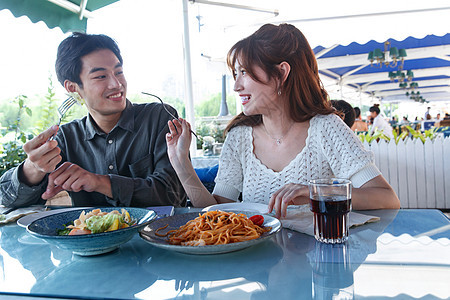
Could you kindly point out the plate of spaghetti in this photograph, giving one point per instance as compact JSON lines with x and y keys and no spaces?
{"x":209,"y":232}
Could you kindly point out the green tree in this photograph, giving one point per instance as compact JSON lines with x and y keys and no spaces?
{"x":49,"y":104}
{"x":11,"y":152}
{"x":178,"y":104}
{"x":9,"y":114}
{"x":211,"y":106}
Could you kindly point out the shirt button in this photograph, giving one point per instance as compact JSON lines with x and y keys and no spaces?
{"x":111,"y":167}
{"x":110,"y":141}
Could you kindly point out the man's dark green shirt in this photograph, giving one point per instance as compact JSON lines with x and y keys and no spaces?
{"x":133,"y":155}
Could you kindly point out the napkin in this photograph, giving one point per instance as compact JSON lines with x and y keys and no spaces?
{"x":301,"y":219}
{"x":20,"y":212}
{"x":163,"y":211}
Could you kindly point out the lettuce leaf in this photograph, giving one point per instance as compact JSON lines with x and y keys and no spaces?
{"x":97,"y":224}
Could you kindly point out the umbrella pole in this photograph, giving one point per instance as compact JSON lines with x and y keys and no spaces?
{"x":189,"y":98}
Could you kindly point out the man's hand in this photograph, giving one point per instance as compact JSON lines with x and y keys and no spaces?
{"x":42,"y":157}
{"x":73,"y":178}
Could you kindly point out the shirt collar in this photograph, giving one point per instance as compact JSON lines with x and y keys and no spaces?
{"x":126,"y":122}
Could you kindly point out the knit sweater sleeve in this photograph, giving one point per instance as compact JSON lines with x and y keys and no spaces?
{"x":345,"y":153}
{"x":229,"y":179}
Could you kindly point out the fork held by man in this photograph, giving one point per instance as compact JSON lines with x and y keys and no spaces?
{"x":62,"y":109}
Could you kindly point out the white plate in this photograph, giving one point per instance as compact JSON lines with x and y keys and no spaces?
{"x":174,"y":222}
{"x":28,"y":219}
{"x":253,"y":207}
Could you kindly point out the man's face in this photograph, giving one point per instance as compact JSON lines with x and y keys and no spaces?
{"x":103,"y":84}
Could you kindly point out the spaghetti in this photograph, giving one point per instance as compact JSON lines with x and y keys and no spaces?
{"x":214,"y":228}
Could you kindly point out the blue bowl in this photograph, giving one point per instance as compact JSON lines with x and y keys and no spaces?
{"x":90,"y":244}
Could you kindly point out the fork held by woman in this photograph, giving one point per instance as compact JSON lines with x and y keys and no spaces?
{"x":165,"y":108}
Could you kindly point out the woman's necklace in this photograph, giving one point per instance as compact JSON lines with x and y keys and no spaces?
{"x":280,"y":139}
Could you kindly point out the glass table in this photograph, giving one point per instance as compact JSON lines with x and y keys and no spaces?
{"x":404,"y":255}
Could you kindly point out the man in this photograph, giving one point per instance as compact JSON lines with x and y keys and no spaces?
{"x":379,"y":122}
{"x":393,"y":121}
{"x":427,"y":113}
{"x":115,"y":156}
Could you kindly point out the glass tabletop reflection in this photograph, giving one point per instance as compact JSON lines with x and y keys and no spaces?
{"x":405,"y":254}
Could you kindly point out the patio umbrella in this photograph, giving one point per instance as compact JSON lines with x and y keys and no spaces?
{"x":68,"y":15}
{"x":426,"y":69}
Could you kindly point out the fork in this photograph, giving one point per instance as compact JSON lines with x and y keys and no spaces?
{"x":62,"y":109}
{"x":164,"y":106}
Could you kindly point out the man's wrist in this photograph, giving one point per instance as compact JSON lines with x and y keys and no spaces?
{"x":29,"y":175}
{"x":104,"y":186}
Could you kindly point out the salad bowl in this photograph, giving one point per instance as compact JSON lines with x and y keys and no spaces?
{"x":47,"y":228}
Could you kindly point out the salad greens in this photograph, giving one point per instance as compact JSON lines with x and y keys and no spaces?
{"x":66,"y":230}
{"x":97,"y":221}
{"x":97,"y":224}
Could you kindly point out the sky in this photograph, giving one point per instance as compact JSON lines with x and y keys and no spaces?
{"x":150,"y":35}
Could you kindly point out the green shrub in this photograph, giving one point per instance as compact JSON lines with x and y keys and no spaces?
{"x":212,"y":129}
{"x":11,"y":152}
{"x":412,"y":133}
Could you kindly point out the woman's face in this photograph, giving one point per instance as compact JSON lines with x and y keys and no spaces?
{"x":256,"y":97}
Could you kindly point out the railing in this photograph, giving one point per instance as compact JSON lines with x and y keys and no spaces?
{"x":419,"y":173}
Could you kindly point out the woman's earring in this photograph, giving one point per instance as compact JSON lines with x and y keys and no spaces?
{"x":279,"y":92}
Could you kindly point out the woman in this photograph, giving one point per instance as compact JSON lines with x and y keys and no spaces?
{"x":345,"y":111}
{"x":359,"y":124}
{"x":380,"y":123}
{"x":286,"y":135}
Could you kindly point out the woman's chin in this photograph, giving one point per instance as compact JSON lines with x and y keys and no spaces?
{"x":248,"y":111}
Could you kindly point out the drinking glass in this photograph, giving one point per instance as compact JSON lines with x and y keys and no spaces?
{"x":330,"y":201}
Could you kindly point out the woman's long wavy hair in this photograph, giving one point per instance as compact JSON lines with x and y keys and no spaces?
{"x":269,"y":46}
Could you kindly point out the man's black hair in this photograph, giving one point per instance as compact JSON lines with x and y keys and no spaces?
{"x":73,"y":48}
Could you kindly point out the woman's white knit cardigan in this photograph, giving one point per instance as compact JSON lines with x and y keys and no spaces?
{"x":332,"y":150}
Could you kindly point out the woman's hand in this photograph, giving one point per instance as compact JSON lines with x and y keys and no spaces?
{"x":178,"y":141}
{"x":290,"y":194}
